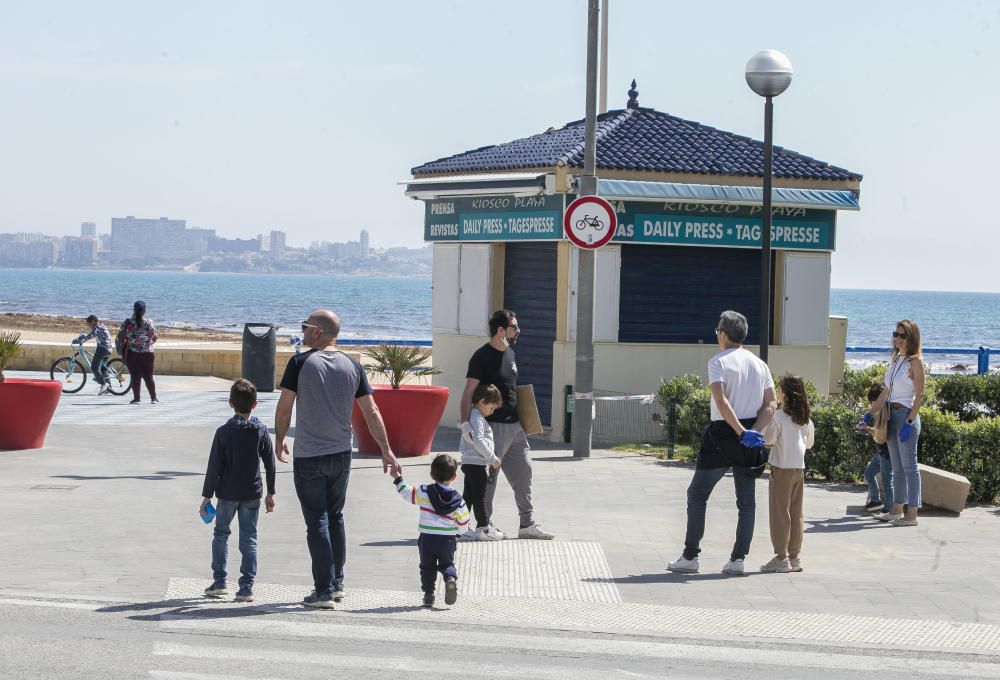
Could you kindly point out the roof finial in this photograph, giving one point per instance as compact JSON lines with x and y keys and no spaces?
{"x":633,"y":97}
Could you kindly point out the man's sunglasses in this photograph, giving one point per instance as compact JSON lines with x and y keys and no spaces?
{"x":309,"y":325}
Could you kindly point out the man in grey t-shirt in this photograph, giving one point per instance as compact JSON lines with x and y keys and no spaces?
{"x":326,"y":383}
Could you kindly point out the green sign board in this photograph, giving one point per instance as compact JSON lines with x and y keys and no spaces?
{"x":726,"y":226}
{"x":494,"y":218}
{"x":513,"y":218}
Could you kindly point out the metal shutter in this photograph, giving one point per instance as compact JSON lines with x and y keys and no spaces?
{"x":530,"y":291}
{"x":675,"y":294}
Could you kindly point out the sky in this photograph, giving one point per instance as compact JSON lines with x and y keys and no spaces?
{"x":304,"y":116}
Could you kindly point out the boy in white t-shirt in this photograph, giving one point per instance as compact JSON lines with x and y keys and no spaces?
{"x":743,"y":404}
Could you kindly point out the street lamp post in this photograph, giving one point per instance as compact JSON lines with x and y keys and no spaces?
{"x":768,"y":73}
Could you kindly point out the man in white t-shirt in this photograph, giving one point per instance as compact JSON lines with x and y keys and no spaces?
{"x":743,"y":403}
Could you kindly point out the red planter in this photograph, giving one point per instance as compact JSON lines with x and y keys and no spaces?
{"x":26,"y":408}
{"x":411,"y":415}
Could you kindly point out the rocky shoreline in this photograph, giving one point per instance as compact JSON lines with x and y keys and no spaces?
{"x":48,"y":328}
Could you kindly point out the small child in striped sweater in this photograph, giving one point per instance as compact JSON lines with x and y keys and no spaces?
{"x":443,"y":517}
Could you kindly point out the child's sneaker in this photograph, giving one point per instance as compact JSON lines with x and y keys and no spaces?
{"x":244,"y":594}
{"x":318,"y":601}
{"x":428,"y":599}
{"x":450,"y":590}
{"x":217,"y":589}
{"x":777,"y":565}
{"x":795,"y":564}
{"x":684,"y":566}
{"x":490,"y":533}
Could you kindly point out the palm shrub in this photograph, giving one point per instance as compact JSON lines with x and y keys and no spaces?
{"x":397,"y":363}
{"x":10,"y":345}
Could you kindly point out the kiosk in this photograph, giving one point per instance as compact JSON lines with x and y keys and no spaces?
{"x":687,"y":247}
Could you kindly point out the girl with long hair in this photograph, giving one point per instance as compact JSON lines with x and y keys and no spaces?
{"x":789,"y":435}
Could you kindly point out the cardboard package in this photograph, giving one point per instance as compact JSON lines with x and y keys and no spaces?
{"x":527,"y":410}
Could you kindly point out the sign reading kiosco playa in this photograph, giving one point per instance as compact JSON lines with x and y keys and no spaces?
{"x":511,"y":218}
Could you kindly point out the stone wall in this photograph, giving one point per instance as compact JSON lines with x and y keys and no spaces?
{"x":218,"y":361}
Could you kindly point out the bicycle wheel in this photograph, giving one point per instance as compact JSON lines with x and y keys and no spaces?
{"x":118,"y":376}
{"x":70,"y":373}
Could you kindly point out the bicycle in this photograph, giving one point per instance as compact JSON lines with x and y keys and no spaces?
{"x":73,"y":376}
{"x":587,"y":221}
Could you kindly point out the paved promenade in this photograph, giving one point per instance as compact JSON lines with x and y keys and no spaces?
{"x":106,"y":512}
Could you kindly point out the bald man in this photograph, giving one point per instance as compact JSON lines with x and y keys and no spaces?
{"x":326,"y":383}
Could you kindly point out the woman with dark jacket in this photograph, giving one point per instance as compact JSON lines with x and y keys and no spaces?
{"x":135,"y":341}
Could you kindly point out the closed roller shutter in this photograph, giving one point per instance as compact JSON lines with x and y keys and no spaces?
{"x":675,"y":294}
{"x":530,"y":291}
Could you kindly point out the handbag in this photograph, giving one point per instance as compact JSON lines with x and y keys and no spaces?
{"x":880,"y":424}
{"x":754,"y":459}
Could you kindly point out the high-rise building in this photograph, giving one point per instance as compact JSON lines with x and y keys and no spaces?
{"x":78,"y":252}
{"x":364,"y":244}
{"x":277,"y":242}
{"x":148,"y":240}
{"x":88,"y":230}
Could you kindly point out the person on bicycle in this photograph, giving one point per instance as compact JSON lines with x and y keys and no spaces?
{"x":99,"y":331}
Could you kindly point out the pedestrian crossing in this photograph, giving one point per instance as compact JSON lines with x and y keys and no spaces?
{"x":283,"y":644}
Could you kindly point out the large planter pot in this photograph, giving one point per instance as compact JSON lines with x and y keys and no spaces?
{"x":411,"y":415}
{"x":26,"y":409}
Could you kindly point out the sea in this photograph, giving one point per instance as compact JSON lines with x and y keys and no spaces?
{"x":400,"y":308}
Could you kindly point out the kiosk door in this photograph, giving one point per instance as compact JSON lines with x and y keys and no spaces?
{"x":529,"y":290}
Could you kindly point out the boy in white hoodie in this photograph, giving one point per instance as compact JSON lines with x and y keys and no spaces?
{"x":479,"y":459}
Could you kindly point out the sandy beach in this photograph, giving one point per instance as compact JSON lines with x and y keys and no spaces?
{"x":42,"y":328}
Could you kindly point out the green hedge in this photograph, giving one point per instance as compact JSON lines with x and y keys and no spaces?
{"x":960,"y":426}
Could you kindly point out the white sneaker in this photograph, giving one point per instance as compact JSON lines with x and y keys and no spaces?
{"x":105,"y":388}
{"x":490,"y":533}
{"x":470,"y":535}
{"x":684,"y":566}
{"x":734,"y":568}
{"x":536,"y":532}
{"x":777,"y":565}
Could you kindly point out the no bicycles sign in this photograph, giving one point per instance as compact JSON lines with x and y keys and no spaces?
{"x":590,"y":222}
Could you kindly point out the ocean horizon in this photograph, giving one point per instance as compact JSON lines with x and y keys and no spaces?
{"x":400,"y":307}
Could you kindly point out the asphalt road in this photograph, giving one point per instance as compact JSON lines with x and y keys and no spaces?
{"x":55,"y":639}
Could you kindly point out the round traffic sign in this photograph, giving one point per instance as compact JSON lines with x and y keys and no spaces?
{"x":590,"y":222}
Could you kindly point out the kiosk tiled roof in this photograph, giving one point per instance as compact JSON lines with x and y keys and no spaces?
{"x":641,"y":139}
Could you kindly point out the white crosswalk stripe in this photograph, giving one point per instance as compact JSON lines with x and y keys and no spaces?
{"x":471,"y":644}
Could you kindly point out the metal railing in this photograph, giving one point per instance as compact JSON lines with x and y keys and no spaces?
{"x":621,"y":422}
{"x":982,"y":354}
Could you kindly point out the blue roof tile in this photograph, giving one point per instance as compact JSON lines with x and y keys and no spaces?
{"x":641,"y":139}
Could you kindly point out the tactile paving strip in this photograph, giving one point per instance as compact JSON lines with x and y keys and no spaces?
{"x":557,"y":570}
{"x":619,"y":617}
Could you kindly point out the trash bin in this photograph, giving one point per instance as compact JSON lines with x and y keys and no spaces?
{"x":259,"y":346}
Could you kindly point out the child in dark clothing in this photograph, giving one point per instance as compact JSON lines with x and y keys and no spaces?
{"x":443,"y":516}
{"x":233,"y":476}
{"x":878,"y":465}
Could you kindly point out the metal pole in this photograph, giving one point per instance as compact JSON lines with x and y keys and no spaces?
{"x":583,"y":411}
{"x":604,"y":56}
{"x":765,"y":234}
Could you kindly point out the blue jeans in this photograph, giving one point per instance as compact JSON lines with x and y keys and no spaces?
{"x":437,"y":554}
{"x":880,"y":465}
{"x":247,"y":511}
{"x":698,"y":492}
{"x":321,"y":485}
{"x":905,"y":475}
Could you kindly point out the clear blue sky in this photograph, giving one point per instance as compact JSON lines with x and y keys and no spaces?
{"x":302,"y":116}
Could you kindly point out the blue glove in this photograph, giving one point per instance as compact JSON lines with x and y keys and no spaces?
{"x":868,"y":418}
{"x":905,"y":432}
{"x":751,"y":439}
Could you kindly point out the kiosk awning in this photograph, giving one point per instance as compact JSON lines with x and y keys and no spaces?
{"x":632,"y":190}
{"x":514,"y":184}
